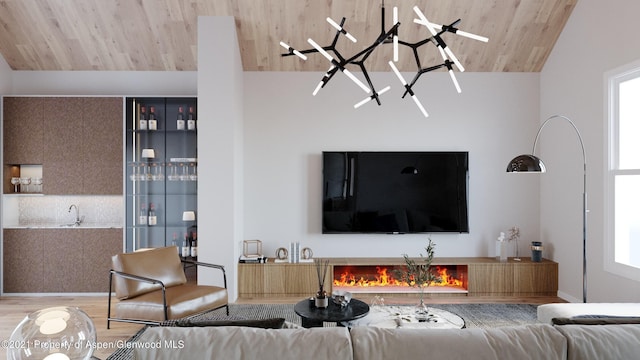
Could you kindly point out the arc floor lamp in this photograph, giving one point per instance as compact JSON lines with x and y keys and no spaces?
{"x":532,"y":163}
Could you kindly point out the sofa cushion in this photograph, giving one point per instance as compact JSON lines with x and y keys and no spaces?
{"x":170,"y":343}
{"x":538,"y":341}
{"x":547,"y":312}
{"x":161,"y":264}
{"x":274,"y":323}
{"x":602,"y":342}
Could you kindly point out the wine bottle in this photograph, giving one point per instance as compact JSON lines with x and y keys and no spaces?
{"x":180,"y":120}
{"x":142,"y":220}
{"x":191,"y":120}
{"x":153,"y":122}
{"x":153,"y":219}
{"x":185,"y":246}
{"x":174,"y":242}
{"x":194,"y":245}
{"x":142,"y":122}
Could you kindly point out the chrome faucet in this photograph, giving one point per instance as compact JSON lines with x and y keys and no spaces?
{"x":78,"y":220}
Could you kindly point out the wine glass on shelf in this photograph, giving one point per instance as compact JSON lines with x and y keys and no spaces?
{"x":38,"y":184}
{"x":158,"y":175}
{"x":185,"y":172}
{"x":134,"y":172}
{"x":173,"y":174}
{"x":194,"y":175}
{"x":15,"y":181}
{"x":145,"y":175}
{"x":26,"y":181}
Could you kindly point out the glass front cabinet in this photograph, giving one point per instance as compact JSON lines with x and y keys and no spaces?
{"x":162,"y":173}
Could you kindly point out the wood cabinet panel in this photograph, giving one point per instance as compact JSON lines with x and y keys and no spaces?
{"x":251,"y":279}
{"x":98,"y":246}
{"x":486,"y":279}
{"x":23,"y":255}
{"x":278,"y":279}
{"x":62,"y":261}
{"x":536,"y":278}
{"x":23,"y":130}
{"x":63,"y":137}
{"x":102,"y":130}
{"x":103,"y":147}
{"x":62,"y":178}
{"x":59,"y":260}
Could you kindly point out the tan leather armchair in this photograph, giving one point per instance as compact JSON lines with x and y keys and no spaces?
{"x":151,"y":287}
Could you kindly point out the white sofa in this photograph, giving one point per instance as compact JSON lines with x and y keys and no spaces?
{"x":536,"y":341}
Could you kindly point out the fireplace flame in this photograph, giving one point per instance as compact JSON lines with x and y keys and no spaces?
{"x":384,"y":278}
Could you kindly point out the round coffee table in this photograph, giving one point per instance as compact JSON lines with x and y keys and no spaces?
{"x":315,"y":317}
{"x":404,"y":317}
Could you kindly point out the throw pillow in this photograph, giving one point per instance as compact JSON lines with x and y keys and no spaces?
{"x":274,"y":323}
{"x":596,"y":320}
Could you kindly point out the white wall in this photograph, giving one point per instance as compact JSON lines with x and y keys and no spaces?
{"x":286,"y":129}
{"x":572,"y":84}
{"x":121,"y":83}
{"x":5,"y":77}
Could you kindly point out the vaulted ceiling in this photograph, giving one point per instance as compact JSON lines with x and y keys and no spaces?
{"x":161,"y":35}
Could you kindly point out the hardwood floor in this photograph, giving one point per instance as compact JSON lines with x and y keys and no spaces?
{"x":14,"y":308}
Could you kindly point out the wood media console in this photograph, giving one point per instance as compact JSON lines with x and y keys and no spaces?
{"x":485,"y":276}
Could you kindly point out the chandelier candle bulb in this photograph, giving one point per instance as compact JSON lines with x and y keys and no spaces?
{"x":356,"y":80}
{"x":455,"y":81}
{"x":395,"y":34}
{"x":371,"y":97}
{"x":294,"y":51}
{"x":341,"y":29}
{"x":315,"y":91}
{"x":454,"y":30}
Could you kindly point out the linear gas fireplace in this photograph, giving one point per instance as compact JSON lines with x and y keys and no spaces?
{"x":381,"y":279}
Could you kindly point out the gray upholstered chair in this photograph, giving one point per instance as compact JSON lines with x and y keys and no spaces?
{"x":151,"y":287}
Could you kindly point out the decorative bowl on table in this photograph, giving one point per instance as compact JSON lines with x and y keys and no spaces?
{"x":341,"y":298}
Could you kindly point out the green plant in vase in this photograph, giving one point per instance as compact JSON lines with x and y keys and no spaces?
{"x":419,"y":274}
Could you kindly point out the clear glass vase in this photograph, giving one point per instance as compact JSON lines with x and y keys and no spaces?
{"x":421,"y":311}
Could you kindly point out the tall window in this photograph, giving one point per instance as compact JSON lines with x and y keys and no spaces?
{"x":623,"y":176}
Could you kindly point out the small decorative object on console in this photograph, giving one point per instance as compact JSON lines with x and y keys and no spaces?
{"x":536,"y":251}
{"x":282,"y":255}
{"x":322,"y":301}
{"x":252,"y":248}
{"x":501,"y":248}
{"x":514,"y":235}
{"x":306,"y":255}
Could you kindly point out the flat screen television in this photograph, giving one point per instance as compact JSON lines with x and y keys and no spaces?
{"x":395,"y":192}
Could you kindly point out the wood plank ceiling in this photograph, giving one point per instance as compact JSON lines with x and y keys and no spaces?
{"x":161,"y":35}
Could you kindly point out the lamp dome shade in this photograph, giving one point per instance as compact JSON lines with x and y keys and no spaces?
{"x":526,"y":163}
{"x":54,"y":333}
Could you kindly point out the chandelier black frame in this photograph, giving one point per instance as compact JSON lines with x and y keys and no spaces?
{"x":339,"y":62}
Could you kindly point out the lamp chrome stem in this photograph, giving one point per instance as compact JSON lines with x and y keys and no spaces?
{"x":515,"y":168}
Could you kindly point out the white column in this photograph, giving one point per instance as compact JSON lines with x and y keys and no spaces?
{"x":220,"y":140}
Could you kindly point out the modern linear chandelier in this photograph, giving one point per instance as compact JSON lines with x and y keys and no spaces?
{"x":339,"y":62}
